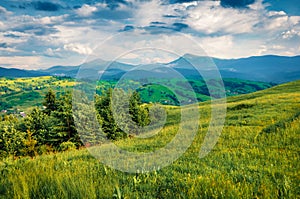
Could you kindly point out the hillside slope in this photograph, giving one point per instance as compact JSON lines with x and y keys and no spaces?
{"x":13,"y":72}
{"x":24,"y":93}
{"x":257,"y":156}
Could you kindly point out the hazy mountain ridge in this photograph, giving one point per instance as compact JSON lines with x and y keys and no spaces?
{"x":269,"y":68}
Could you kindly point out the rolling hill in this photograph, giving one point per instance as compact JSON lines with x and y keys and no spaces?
{"x":256,"y":156}
{"x":13,"y":72}
{"x":25,"y":93}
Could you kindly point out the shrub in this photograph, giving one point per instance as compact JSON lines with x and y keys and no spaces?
{"x":67,"y":146}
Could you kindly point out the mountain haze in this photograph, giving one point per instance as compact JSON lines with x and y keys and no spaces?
{"x":269,"y":68}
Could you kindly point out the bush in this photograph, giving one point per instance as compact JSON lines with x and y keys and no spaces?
{"x":241,"y":106}
{"x":44,"y":149}
{"x":67,"y":146}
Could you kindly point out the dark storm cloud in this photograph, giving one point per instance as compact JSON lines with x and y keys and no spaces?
{"x":36,"y":29}
{"x":128,"y":28}
{"x":180,"y":1}
{"x":112,"y":4}
{"x":46,"y":6}
{"x":3,"y":45}
{"x":236,"y":3}
{"x":179,"y":26}
{"x":161,"y":28}
{"x":157,"y":23}
{"x":45,"y":31}
{"x":11,"y":35}
{"x":112,"y":14}
{"x":171,"y":16}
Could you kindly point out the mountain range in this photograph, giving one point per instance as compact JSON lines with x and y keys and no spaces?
{"x":269,"y":68}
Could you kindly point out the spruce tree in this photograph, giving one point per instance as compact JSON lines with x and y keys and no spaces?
{"x":50,"y":102}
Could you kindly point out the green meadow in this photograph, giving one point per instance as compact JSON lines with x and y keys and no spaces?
{"x":22,"y":94}
{"x":25,"y":93}
{"x":256,"y":156}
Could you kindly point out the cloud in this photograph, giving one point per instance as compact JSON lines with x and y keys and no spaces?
{"x":179,"y":26}
{"x":236,"y":3}
{"x":61,"y":32}
{"x":290,"y":34}
{"x":148,"y":12}
{"x":13,"y":37}
{"x":128,"y":28}
{"x":26,"y":62}
{"x":48,"y":20}
{"x":181,"y":1}
{"x":3,"y":11}
{"x":86,"y":10}
{"x":78,"y":48}
{"x":3,"y":45}
{"x":53,"y":52}
{"x":211,"y":18}
{"x":46,"y":6}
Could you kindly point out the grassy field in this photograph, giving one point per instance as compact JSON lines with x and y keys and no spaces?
{"x":25,"y":93}
{"x":257,"y":156}
{"x":21,"y":94}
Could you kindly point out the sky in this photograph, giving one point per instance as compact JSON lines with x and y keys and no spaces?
{"x":38,"y":34}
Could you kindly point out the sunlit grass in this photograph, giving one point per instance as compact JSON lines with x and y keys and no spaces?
{"x":247,"y":161}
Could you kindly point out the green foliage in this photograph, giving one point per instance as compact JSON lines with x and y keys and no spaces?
{"x":40,"y":131}
{"x":65,"y":128}
{"x":50,"y":102}
{"x":103,"y":106}
{"x":88,"y":127}
{"x":245,"y":163}
{"x":139,"y":114}
{"x":281,"y":124}
{"x":40,"y":125}
{"x":66,"y":146}
{"x":24,"y":93}
{"x":241,"y":106}
{"x":121,"y":113}
{"x":11,"y":139}
{"x":30,"y":145}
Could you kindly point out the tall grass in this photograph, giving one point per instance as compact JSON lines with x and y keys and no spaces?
{"x":247,"y":162}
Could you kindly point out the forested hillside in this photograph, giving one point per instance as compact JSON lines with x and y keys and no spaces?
{"x":22,"y":94}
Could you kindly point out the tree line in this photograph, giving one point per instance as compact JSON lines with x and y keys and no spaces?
{"x":53,"y":128}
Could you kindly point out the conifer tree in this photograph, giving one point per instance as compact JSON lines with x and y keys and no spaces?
{"x":50,"y":102}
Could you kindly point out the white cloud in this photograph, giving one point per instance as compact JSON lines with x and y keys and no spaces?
{"x":16,"y":38}
{"x":78,"y":48}
{"x":147,"y":56}
{"x":222,"y":32}
{"x":8,"y":50}
{"x":210,"y":17}
{"x":52,"y":19}
{"x":276,"y":13}
{"x":277,"y":22}
{"x":53,"y":52}
{"x":26,"y":62}
{"x":86,"y":10}
{"x":4,"y":11}
{"x":149,"y":11}
{"x":290,"y":34}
